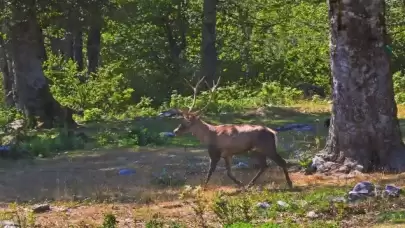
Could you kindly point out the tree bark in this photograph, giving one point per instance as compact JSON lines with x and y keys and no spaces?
{"x":93,"y":46}
{"x":32,"y":88}
{"x":364,"y":132}
{"x":208,"y":45}
{"x":78,"y":49}
{"x":8,"y":77}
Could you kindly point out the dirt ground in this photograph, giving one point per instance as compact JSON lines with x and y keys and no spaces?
{"x":92,"y":179}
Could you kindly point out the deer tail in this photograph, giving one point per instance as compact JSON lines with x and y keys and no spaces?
{"x":275,"y":136}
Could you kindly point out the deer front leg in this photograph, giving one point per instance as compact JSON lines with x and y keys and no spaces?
{"x":228,"y":161}
{"x":213,"y":166}
{"x":215,"y":156}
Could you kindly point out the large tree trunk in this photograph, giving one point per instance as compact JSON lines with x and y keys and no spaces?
{"x":364,"y":133}
{"x":208,"y":47}
{"x":32,"y":88}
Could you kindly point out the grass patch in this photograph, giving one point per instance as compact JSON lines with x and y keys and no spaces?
{"x":392,"y":217}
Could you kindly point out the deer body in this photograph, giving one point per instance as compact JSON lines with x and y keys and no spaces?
{"x":224,"y":141}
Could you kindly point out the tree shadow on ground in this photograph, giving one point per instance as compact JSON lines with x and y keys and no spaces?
{"x":94,"y":176}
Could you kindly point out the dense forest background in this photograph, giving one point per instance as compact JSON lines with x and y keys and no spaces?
{"x":124,"y":56}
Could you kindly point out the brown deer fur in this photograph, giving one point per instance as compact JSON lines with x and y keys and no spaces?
{"x":224,"y":141}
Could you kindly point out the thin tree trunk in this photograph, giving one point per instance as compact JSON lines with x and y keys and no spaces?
{"x":246,"y":28}
{"x":208,"y":48}
{"x":8,"y":77}
{"x":78,"y":49}
{"x":93,"y":47}
{"x":364,"y":132}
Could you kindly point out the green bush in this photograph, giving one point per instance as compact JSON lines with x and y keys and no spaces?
{"x":236,"y":97}
{"x":274,"y":93}
{"x":107,"y":90}
{"x":399,"y":87}
{"x":110,"y":221}
{"x":43,"y":145}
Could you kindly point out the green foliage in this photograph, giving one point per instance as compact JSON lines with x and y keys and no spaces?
{"x":392,"y":216}
{"x":93,"y":114}
{"x":275,"y":94}
{"x":155,"y":222}
{"x":8,"y":114}
{"x":131,"y":136}
{"x":249,"y":225}
{"x":43,"y":145}
{"x":236,"y":97}
{"x":109,"y":221}
{"x":399,"y":87}
{"x":267,"y":40}
{"x":106,"y":90}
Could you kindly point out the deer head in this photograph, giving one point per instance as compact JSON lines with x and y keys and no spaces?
{"x":190,"y":118}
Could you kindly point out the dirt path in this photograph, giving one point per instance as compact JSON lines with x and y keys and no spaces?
{"x":95,"y":176}
{"x":93,"y":179}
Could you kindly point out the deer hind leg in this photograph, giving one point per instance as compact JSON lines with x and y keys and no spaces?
{"x":283,"y":164}
{"x":228,"y":160}
{"x":263,"y":166}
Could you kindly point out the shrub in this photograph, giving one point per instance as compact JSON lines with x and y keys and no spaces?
{"x":106,"y":90}
{"x":275,"y":94}
{"x":399,"y":85}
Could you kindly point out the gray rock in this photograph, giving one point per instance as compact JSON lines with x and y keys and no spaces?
{"x":344,"y":169}
{"x":282,"y":203}
{"x":312,"y":214}
{"x":317,"y":161}
{"x":263,"y":205}
{"x":359,"y":168}
{"x":9,"y":224}
{"x":338,"y":199}
{"x":40,"y":208}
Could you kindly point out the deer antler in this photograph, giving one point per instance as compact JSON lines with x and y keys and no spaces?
{"x":195,"y":90}
{"x":212,"y":90}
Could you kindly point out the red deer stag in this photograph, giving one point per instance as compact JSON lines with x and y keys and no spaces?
{"x":224,"y":141}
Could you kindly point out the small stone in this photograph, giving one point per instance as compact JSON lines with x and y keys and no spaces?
{"x":338,"y":199}
{"x":312,"y":214}
{"x":40,"y":208}
{"x":9,"y":224}
{"x":282,"y":203}
{"x":343,"y":169}
{"x":359,"y":168}
{"x":330,"y":165}
{"x":355,"y":173}
{"x":316,"y":161}
{"x":263,"y":205}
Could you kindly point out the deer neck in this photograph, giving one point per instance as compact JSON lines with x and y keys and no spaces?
{"x":202,"y":131}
